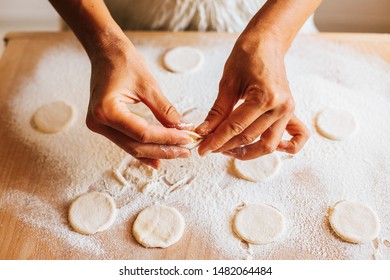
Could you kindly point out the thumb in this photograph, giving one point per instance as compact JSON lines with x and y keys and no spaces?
{"x":221,"y":109}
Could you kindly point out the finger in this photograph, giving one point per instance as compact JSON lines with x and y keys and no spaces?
{"x":266,"y":145}
{"x":140,"y":150}
{"x":300,"y":134}
{"x":122,"y":119}
{"x":221,"y":109}
{"x":164,"y":111}
{"x":251,"y":133}
{"x":154,"y":163}
{"x":234,"y":125}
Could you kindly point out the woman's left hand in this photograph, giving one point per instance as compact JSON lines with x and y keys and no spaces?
{"x":255,"y":73}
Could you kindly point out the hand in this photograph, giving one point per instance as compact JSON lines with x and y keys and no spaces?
{"x":255,"y":73}
{"x":120,"y":78}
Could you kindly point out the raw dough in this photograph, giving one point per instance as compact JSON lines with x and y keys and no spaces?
{"x":92,"y":212}
{"x":258,"y":223}
{"x":196,"y":139}
{"x":259,"y":169}
{"x":183,"y":59}
{"x":53,"y":117}
{"x":158,"y":226}
{"x":336,"y":124}
{"x":354,"y":222}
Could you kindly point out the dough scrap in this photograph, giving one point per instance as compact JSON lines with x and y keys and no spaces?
{"x":354,"y":222}
{"x":53,"y":117}
{"x":158,"y":226}
{"x":259,"y":223}
{"x":196,"y":139}
{"x":183,"y":59}
{"x":259,"y":169}
{"x":92,"y":212}
{"x":336,"y":124}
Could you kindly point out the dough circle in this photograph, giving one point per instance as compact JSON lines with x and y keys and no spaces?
{"x":196,"y":139}
{"x":158,"y":226}
{"x":259,"y":223}
{"x":92,"y":212}
{"x":354,"y":222}
{"x":53,"y":117}
{"x":259,"y":169}
{"x":183,"y":59}
{"x":336,"y":124}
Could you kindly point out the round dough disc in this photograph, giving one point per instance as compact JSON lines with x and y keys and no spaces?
{"x":259,"y":169}
{"x":336,"y":124}
{"x":259,"y":223}
{"x":196,"y":139}
{"x":354,"y":222}
{"x":53,"y":117}
{"x":158,"y":226}
{"x":183,"y":59}
{"x":92,"y":212}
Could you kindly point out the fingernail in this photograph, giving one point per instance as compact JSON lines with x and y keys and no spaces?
{"x":203,"y":128}
{"x":280,"y":149}
{"x":154,"y":165}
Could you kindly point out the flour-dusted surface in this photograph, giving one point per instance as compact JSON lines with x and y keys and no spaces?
{"x":205,"y":190}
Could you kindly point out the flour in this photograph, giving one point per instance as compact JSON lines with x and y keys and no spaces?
{"x":206,"y":190}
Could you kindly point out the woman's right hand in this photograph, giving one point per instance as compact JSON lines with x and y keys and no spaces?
{"x":120,"y":78}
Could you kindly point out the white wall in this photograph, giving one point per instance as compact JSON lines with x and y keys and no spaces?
{"x":332,"y":15}
{"x":26,"y":10}
{"x":354,"y":16}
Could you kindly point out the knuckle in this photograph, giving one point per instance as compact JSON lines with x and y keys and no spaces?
{"x":293,"y":150}
{"x":268,"y":149}
{"x":217,"y":111}
{"x":271,"y":100}
{"x":225,"y":83}
{"x":288,"y":106}
{"x":134,"y":151}
{"x":166,"y":153}
{"x":256,"y":95}
{"x":168,"y":110}
{"x":143,"y":136}
{"x":235,"y":128}
{"x":247,"y":139}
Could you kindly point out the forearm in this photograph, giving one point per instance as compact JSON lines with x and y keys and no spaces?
{"x":281,"y":20}
{"x":92,"y":23}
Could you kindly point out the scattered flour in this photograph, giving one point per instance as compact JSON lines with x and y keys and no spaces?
{"x":206,"y":190}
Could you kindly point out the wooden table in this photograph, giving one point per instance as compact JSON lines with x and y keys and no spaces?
{"x":17,"y":239}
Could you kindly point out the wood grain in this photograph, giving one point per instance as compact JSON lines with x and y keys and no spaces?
{"x":17,"y":163}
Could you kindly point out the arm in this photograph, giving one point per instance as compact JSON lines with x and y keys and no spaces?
{"x":120,"y":78}
{"x":255,"y":72}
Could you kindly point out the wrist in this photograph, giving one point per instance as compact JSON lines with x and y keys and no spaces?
{"x":107,"y":43}
{"x":264,"y":28}
{"x":255,"y":40}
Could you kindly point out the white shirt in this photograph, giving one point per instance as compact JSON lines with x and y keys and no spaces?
{"x":179,"y":15}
